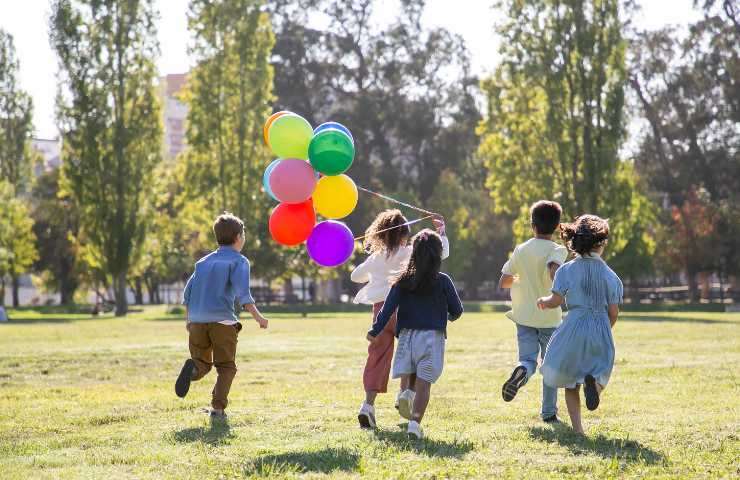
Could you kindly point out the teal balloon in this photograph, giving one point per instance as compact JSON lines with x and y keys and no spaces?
{"x":336,"y":125}
{"x":266,"y":179}
{"x":289,"y":136}
{"x":331,"y":152}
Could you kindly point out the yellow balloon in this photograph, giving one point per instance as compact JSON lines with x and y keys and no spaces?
{"x":335,"y":196}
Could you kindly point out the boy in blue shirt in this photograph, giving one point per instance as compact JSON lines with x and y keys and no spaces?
{"x":220,"y":281}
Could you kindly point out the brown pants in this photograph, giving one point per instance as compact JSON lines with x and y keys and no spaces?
{"x":380,"y":356}
{"x":215,"y":344}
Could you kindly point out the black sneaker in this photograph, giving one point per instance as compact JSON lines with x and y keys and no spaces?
{"x":551,"y":420}
{"x":514,"y":383}
{"x":182,"y":385}
{"x":591,"y":392}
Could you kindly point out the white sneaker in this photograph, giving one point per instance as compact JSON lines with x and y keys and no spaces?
{"x":366,"y":417}
{"x":406,"y":403}
{"x":415,"y":432}
{"x":398,"y":398}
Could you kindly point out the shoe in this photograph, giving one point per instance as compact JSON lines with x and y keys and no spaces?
{"x":218,"y":415}
{"x":414,"y":431}
{"x":516,"y":381}
{"x":398,"y":398}
{"x":552,"y":419}
{"x":182,"y":385}
{"x":366,"y":417}
{"x":591,"y":392}
{"x":406,"y":403}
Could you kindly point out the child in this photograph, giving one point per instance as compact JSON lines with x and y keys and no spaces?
{"x":581,"y":351}
{"x":534,"y":262}
{"x":387,"y":242}
{"x":426,"y":299}
{"x":220,"y":280}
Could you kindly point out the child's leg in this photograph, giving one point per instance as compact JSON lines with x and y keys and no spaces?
{"x":379,"y":361}
{"x":529,"y":348}
{"x":201,"y":349}
{"x":421,"y":400}
{"x":408,"y":382}
{"x":573,"y":402}
{"x":549,"y":394}
{"x":224,"y":339}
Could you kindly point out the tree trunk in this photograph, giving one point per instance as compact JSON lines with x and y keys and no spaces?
{"x":138,"y":292}
{"x":693,"y":287}
{"x":119,"y":291}
{"x":16,"y":287}
{"x":67,"y":292}
{"x":2,"y":291}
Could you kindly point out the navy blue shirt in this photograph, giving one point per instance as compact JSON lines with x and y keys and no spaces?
{"x":220,"y":279}
{"x":421,"y":311}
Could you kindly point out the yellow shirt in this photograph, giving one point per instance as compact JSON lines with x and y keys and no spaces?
{"x":528,"y":265}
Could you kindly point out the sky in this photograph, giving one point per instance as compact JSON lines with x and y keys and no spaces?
{"x":27,"y":21}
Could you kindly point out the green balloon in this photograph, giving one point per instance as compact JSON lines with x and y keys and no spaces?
{"x":331,"y":152}
{"x":289,"y":136}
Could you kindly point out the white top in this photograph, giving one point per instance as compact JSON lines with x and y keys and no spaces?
{"x":378,"y":271}
{"x":528,"y":264}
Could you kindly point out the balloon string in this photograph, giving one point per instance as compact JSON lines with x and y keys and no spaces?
{"x":397,"y":226}
{"x":385,"y":197}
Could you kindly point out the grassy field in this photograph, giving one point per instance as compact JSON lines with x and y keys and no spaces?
{"x":93,"y":398}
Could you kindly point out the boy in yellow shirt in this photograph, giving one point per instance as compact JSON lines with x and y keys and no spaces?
{"x":529,"y":273}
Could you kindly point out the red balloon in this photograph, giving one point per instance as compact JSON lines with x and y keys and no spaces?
{"x":292,"y":223}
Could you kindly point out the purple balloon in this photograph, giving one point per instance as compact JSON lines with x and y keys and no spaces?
{"x":331,"y":243}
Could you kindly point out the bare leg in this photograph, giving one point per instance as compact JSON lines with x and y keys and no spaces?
{"x":573,"y":401}
{"x":421,"y":400}
{"x":370,"y":397}
{"x":405,"y":380}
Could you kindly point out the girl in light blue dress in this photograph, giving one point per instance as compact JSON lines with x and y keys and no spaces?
{"x":581,"y":350}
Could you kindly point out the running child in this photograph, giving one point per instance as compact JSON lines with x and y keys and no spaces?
{"x":529,"y":273}
{"x":387,"y":242}
{"x":581,"y":351}
{"x":424,"y":300}
{"x":220,"y":280}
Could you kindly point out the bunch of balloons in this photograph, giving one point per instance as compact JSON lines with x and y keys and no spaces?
{"x":308,"y":179}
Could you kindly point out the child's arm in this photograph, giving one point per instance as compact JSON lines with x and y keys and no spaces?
{"x":454,"y":305}
{"x":613,"y":313}
{"x":385,"y":314}
{"x":439,"y":224}
{"x":252,"y":308}
{"x":506,"y":281}
{"x":508,"y":271}
{"x":240,"y":281}
{"x":551,"y":301}
{"x":552,"y":267}
{"x":186,"y":299}
{"x":361,"y":273}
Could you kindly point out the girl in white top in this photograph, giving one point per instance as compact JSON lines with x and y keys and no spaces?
{"x":386,"y":240}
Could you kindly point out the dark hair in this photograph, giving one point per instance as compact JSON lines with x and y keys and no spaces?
{"x":423,"y":268}
{"x":545,"y":216}
{"x":227,"y":228}
{"x":585,"y":234}
{"x":387,"y":232}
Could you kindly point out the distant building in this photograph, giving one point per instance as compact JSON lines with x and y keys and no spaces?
{"x":174,"y":113}
{"x":51,"y":154}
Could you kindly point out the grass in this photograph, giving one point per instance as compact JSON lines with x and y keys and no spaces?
{"x":93,"y":398}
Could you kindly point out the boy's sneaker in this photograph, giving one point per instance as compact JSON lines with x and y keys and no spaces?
{"x":182,"y":385}
{"x":591,"y":392}
{"x":414,"y":431}
{"x":218,"y":415}
{"x":516,"y":381}
{"x":406,"y":403}
{"x":366,"y":417}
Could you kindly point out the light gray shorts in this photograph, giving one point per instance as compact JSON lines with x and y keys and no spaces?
{"x":421,"y":352}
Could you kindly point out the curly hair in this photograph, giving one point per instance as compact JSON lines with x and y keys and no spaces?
{"x":423,"y":267}
{"x":387,"y":233}
{"x":585,"y":234}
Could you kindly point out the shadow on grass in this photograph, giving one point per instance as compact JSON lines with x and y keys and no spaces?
{"x":626,"y":317}
{"x":319,"y":461}
{"x":217,"y":434}
{"x":21,"y":320}
{"x":428,"y":446}
{"x":622,"y":449}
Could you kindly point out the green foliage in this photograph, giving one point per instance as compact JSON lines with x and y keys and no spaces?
{"x":109,"y":118}
{"x":17,"y":240}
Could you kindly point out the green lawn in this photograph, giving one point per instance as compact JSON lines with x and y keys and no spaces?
{"x":93,"y":398}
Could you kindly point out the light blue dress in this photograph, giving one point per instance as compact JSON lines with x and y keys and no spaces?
{"x":583,"y":343}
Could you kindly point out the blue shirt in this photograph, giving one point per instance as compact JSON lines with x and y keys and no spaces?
{"x":220,"y":279}
{"x":420,"y":311}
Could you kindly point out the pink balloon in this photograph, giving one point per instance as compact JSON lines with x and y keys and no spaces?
{"x":292,"y":180}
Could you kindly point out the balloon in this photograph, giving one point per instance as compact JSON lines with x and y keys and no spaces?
{"x":331,"y":152}
{"x":266,"y":178}
{"x":289,"y":136}
{"x":330,"y":244}
{"x":335,"y":125}
{"x":335,"y":197}
{"x":292,"y":180}
{"x":291,"y":223}
{"x":269,"y":121}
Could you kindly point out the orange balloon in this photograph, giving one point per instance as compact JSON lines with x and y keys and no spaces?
{"x":292,"y":223}
{"x":269,"y":121}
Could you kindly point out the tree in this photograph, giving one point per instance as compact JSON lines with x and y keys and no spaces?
{"x":56,"y":225}
{"x":555,"y":118}
{"x":108,"y":112}
{"x":17,"y":241}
